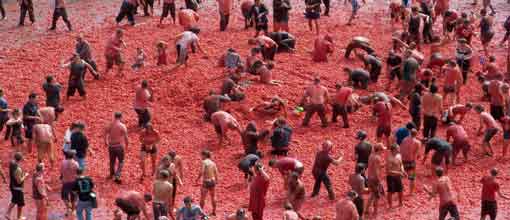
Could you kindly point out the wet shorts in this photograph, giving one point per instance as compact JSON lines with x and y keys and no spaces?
{"x":209,"y":184}
{"x":449,"y":89}
{"x":113,"y":60}
{"x":489,"y":208}
{"x":410,"y":167}
{"x":394,"y":184}
{"x":438,"y":157}
{"x":281,"y":17}
{"x":149,"y":149}
{"x":18,"y":198}
{"x":489,"y":134}
{"x":383,"y":130}
{"x":312,"y":15}
{"x":67,"y":192}
{"x":376,"y":188}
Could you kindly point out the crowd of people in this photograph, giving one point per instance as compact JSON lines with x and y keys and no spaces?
{"x":392,"y":157}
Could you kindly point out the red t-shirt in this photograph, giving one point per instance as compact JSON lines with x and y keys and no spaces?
{"x":286,"y":164}
{"x":321,"y":49}
{"x":258,"y":190}
{"x":383,"y":111}
{"x":489,"y":188}
{"x":343,"y":95}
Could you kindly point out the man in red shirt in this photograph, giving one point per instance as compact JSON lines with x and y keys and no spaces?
{"x":258,"y":190}
{"x":460,"y":140}
{"x":340,"y":103}
{"x":382,"y":110}
{"x":113,"y":53}
{"x":320,"y":169}
{"x":143,"y":97}
{"x":285,"y":166}
{"x":322,"y":48}
{"x":489,"y":189}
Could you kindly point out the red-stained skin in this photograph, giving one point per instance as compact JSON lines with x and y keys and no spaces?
{"x":28,"y":54}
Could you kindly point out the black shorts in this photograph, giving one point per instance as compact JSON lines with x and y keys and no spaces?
{"x":217,"y":129}
{"x":438,"y":157}
{"x":261,"y":27}
{"x":28,"y":131}
{"x":149,"y":149}
{"x":489,"y":134}
{"x":67,"y":193}
{"x":281,"y":17}
{"x":312,"y":15}
{"x":410,"y":167}
{"x":128,"y":208}
{"x":168,"y":7}
{"x":358,"y":202}
{"x":450,"y":26}
{"x":383,"y":130}
{"x":449,"y":89}
{"x":486,"y":37}
{"x":76,"y":87}
{"x":209,"y":184}
{"x":394,"y":184}
{"x":497,"y":111}
{"x":489,"y":208}
{"x":159,"y":209}
{"x":18,"y":198}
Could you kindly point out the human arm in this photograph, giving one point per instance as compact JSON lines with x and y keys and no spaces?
{"x":338,"y":160}
{"x":480,"y":127}
{"x":502,"y":195}
{"x":91,"y":69}
{"x":126,"y":139}
{"x":398,"y":102}
{"x":20,"y":176}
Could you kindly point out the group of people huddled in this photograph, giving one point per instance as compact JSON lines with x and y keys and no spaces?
{"x":419,"y":83}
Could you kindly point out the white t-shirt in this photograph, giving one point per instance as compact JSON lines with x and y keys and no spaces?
{"x":67,"y":136}
{"x":187,"y":38}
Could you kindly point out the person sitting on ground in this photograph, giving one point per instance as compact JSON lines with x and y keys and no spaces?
{"x":322,"y":48}
{"x":276,"y":106}
{"x":286,"y":41}
{"x":230,"y":88}
{"x":281,"y":137}
{"x":213,"y":103}
{"x":231,"y":61}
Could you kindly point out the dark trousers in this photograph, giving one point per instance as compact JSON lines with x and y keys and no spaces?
{"x":268,"y":53}
{"x":168,"y":8}
{"x":159,"y":209}
{"x":60,"y":12}
{"x":429,"y":126}
{"x":322,"y":179}
{"x":311,"y":110}
{"x":126,"y":10}
{"x":465,"y":67}
{"x":342,"y":111}
{"x":449,"y":208}
{"x":224,"y":21}
{"x":2,"y":10}
{"x":416,"y":120}
{"x":326,"y":5}
{"x":358,"y":201}
{"x":116,"y":153}
{"x":427,"y":33}
{"x":287,"y":45}
{"x":149,"y":4}
{"x":144,"y":117}
{"x":23,"y":13}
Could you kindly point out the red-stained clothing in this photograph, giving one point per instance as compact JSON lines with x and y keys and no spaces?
{"x":258,"y":190}
{"x":453,"y":16}
{"x":225,"y":6}
{"x":162,"y":58}
{"x":342,"y":96}
{"x":489,"y":188}
{"x":142,"y":98}
{"x":383,"y":112}
{"x":488,"y":120}
{"x":286,"y":164}
{"x":321,"y":163}
{"x":453,"y":77}
{"x":464,"y":32}
{"x":149,"y":137}
{"x":456,"y":132}
{"x":113,"y":46}
{"x":187,"y":18}
{"x":322,"y":48}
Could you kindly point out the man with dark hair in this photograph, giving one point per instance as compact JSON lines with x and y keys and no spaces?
{"x":143,"y":97}
{"x":403,"y":132}
{"x":68,"y":174}
{"x":133,"y":204}
{"x":190,"y":211}
{"x":40,"y":192}
{"x":209,"y":176}
{"x":30,"y":116}
{"x":363,"y":149}
{"x":432,"y":108}
{"x":320,"y":169}
{"x":17,"y":179}
{"x":358,"y":78}
{"x":80,"y":143}
{"x":116,"y":139}
{"x":443,"y":188}
{"x":409,"y":149}
{"x":52,"y":89}
{"x":77,"y":69}
{"x":4,"y":115}
{"x":346,"y":209}
{"x":281,"y":137}
{"x":212,"y":104}
{"x":83,"y":49}
{"x":489,"y":189}
{"x":163,"y":195}
{"x":340,"y":104}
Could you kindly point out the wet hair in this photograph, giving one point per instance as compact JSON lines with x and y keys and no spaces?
{"x":393,"y":147}
{"x":164,"y":174}
{"x":206,"y":153}
{"x":479,"y":109}
{"x":272,"y":162}
{"x":241,"y":212}
{"x":338,"y":85}
{"x":1,"y":92}
{"x":39,"y":167}
{"x":15,"y":111}
{"x":145,"y":83}
{"x":69,"y":154}
{"x":469,"y":105}
{"x":414,"y":132}
{"x":483,"y":11}
{"x":415,"y":9}
{"x":439,"y":171}
{"x":352,"y":194}
{"x":270,"y":66}
{"x":117,"y":115}
{"x":119,"y":31}
{"x":251,"y":126}
{"x":147,"y":197}
{"x":410,"y":125}
{"x":492,"y":58}
{"x":18,"y":156}
{"x":316,"y":80}
{"x":494,"y":172}
{"x":288,"y":206}
{"x":49,"y":79}
{"x":195,"y":30}
{"x":80,"y":171}
{"x":418,"y":88}
{"x":255,"y":50}
{"x":317,"y":218}
{"x":188,"y":199}
{"x":172,"y":154}
{"x":32,"y":95}
{"x":359,"y":168}
{"x":347,"y":69}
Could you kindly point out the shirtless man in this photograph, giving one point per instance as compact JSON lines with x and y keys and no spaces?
{"x":267,"y":45}
{"x":40,"y":192}
{"x":323,"y":46}
{"x":432,"y":104}
{"x":374,"y":177}
{"x":287,"y":166}
{"x":212,"y":104}
{"x":224,"y":7}
{"x":489,"y":189}
{"x":383,"y":111}
{"x":497,"y":99}
{"x":187,"y":18}
{"x":240,"y":214}
{"x":358,"y":78}
{"x":315,"y":99}
{"x":162,"y":204}
{"x":209,"y":176}
{"x":44,"y":136}
{"x":358,"y":184}
{"x":409,"y":149}
{"x":113,"y":52}
{"x":394,"y":174}
{"x":149,"y":138}
{"x":505,"y":124}
{"x":296,"y":191}
{"x":458,"y":110}
{"x":340,"y":102}
{"x":222,"y":122}
{"x":358,"y":43}
{"x":443,"y":187}
{"x":491,"y":129}
{"x":176,"y":171}
{"x":346,"y":209}
{"x":460,"y":140}
{"x":47,"y":115}
{"x":143,"y":97}
{"x":116,"y":139}
{"x":452,"y":83}
{"x":133,"y":203}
